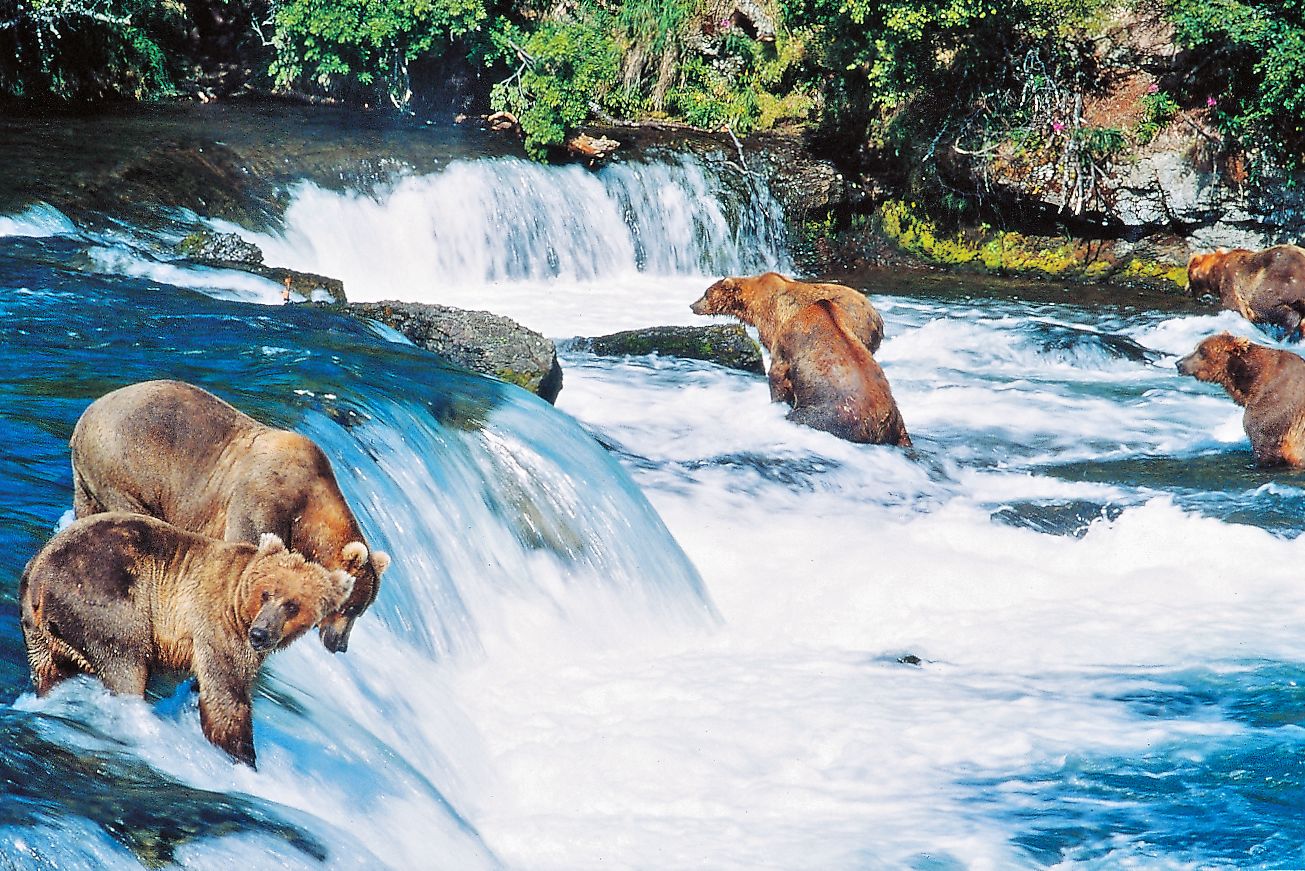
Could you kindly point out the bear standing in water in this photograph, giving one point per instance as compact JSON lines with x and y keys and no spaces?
{"x":118,"y":595}
{"x":1268,"y":383}
{"x":833,"y":383}
{"x":1264,"y":286}
{"x":766,"y":301}
{"x":173,"y":451}
{"x":821,"y":353}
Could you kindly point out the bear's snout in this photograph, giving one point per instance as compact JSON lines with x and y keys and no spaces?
{"x":1187,"y":365}
{"x":700,"y":307}
{"x":261,"y":638}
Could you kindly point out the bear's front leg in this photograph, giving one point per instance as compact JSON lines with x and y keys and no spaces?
{"x":225,"y":711}
{"x":781,"y":388}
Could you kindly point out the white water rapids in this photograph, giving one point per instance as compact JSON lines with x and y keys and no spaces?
{"x":1040,"y":553}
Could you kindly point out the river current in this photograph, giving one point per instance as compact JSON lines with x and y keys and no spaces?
{"x":660,"y":627}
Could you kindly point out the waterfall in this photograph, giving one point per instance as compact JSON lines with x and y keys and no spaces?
{"x":506,"y":220}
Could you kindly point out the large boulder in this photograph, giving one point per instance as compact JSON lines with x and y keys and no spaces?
{"x":726,"y":344}
{"x":481,"y":341}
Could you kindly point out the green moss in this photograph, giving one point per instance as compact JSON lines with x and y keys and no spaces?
{"x":1008,"y":252}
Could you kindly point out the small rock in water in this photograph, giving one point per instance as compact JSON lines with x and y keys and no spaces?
{"x":726,"y":344}
{"x":481,"y":341}
{"x":910,"y":659}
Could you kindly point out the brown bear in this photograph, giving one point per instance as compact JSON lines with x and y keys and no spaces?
{"x":821,"y":368}
{"x":1268,"y":383}
{"x":178,"y":453}
{"x":765,"y":301}
{"x":1264,"y":286}
{"x":120,"y":595}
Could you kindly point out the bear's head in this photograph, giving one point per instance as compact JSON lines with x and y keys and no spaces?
{"x":1205,"y":272}
{"x":366,"y":567}
{"x":286,"y":594}
{"x":1227,"y":360}
{"x":725,"y":297}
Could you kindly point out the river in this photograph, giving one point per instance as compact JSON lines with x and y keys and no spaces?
{"x":660,"y":627}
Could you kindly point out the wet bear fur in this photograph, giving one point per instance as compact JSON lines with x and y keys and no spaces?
{"x":1264,"y":286}
{"x":1269,"y":383}
{"x":821,"y":368}
{"x":119,"y":596}
{"x":176,"y":452}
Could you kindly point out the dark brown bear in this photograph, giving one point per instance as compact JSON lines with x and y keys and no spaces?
{"x":120,"y":595}
{"x":176,"y":452}
{"x":1269,"y":383}
{"x":1264,"y":286}
{"x":766,"y":301}
{"x":832,"y":380}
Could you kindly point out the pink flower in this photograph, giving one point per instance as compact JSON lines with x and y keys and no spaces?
{"x":1211,"y":102}
{"x":1152,"y":88}
{"x":725,"y":24}
{"x":1057,"y":127}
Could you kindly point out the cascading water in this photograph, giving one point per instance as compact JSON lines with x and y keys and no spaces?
{"x":1064,"y":631}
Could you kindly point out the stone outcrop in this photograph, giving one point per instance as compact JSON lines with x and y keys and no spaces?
{"x":480,"y":341}
{"x":230,"y":247}
{"x":317,"y":288}
{"x":726,"y":344}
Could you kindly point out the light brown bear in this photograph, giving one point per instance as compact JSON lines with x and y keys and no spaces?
{"x":119,"y":595}
{"x":1264,"y":286}
{"x":766,"y":301}
{"x":1268,"y":383}
{"x":178,"y":453}
{"x":821,"y":368}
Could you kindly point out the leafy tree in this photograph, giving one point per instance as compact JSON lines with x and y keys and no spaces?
{"x":84,"y":49}
{"x":1251,"y":69}
{"x":365,"y":45}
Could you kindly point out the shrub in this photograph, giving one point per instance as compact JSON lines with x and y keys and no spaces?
{"x":85,"y":49}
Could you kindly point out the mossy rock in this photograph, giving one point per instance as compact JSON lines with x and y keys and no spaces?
{"x":726,"y":344}
{"x":227,"y":247}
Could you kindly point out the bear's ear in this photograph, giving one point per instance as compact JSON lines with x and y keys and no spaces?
{"x":341,"y":585}
{"x":354,"y":555}
{"x":380,"y":561}
{"x":269,"y":543}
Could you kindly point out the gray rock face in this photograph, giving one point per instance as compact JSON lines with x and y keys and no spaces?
{"x":482,"y":342}
{"x":803,"y":184}
{"x":726,"y":344}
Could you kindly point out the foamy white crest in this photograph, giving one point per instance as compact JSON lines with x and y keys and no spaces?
{"x":221,"y":283}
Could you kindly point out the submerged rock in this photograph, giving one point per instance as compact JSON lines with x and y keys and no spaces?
{"x":318,"y":288}
{"x":726,"y":344}
{"x":481,"y":341}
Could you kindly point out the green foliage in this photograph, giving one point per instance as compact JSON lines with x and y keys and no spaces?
{"x":646,"y":58}
{"x":364,"y":43}
{"x":1254,"y":61}
{"x":1100,"y":144}
{"x":939,"y":57}
{"x":85,"y":49}
{"x":1158,"y":109}
{"x":564,"y":69}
